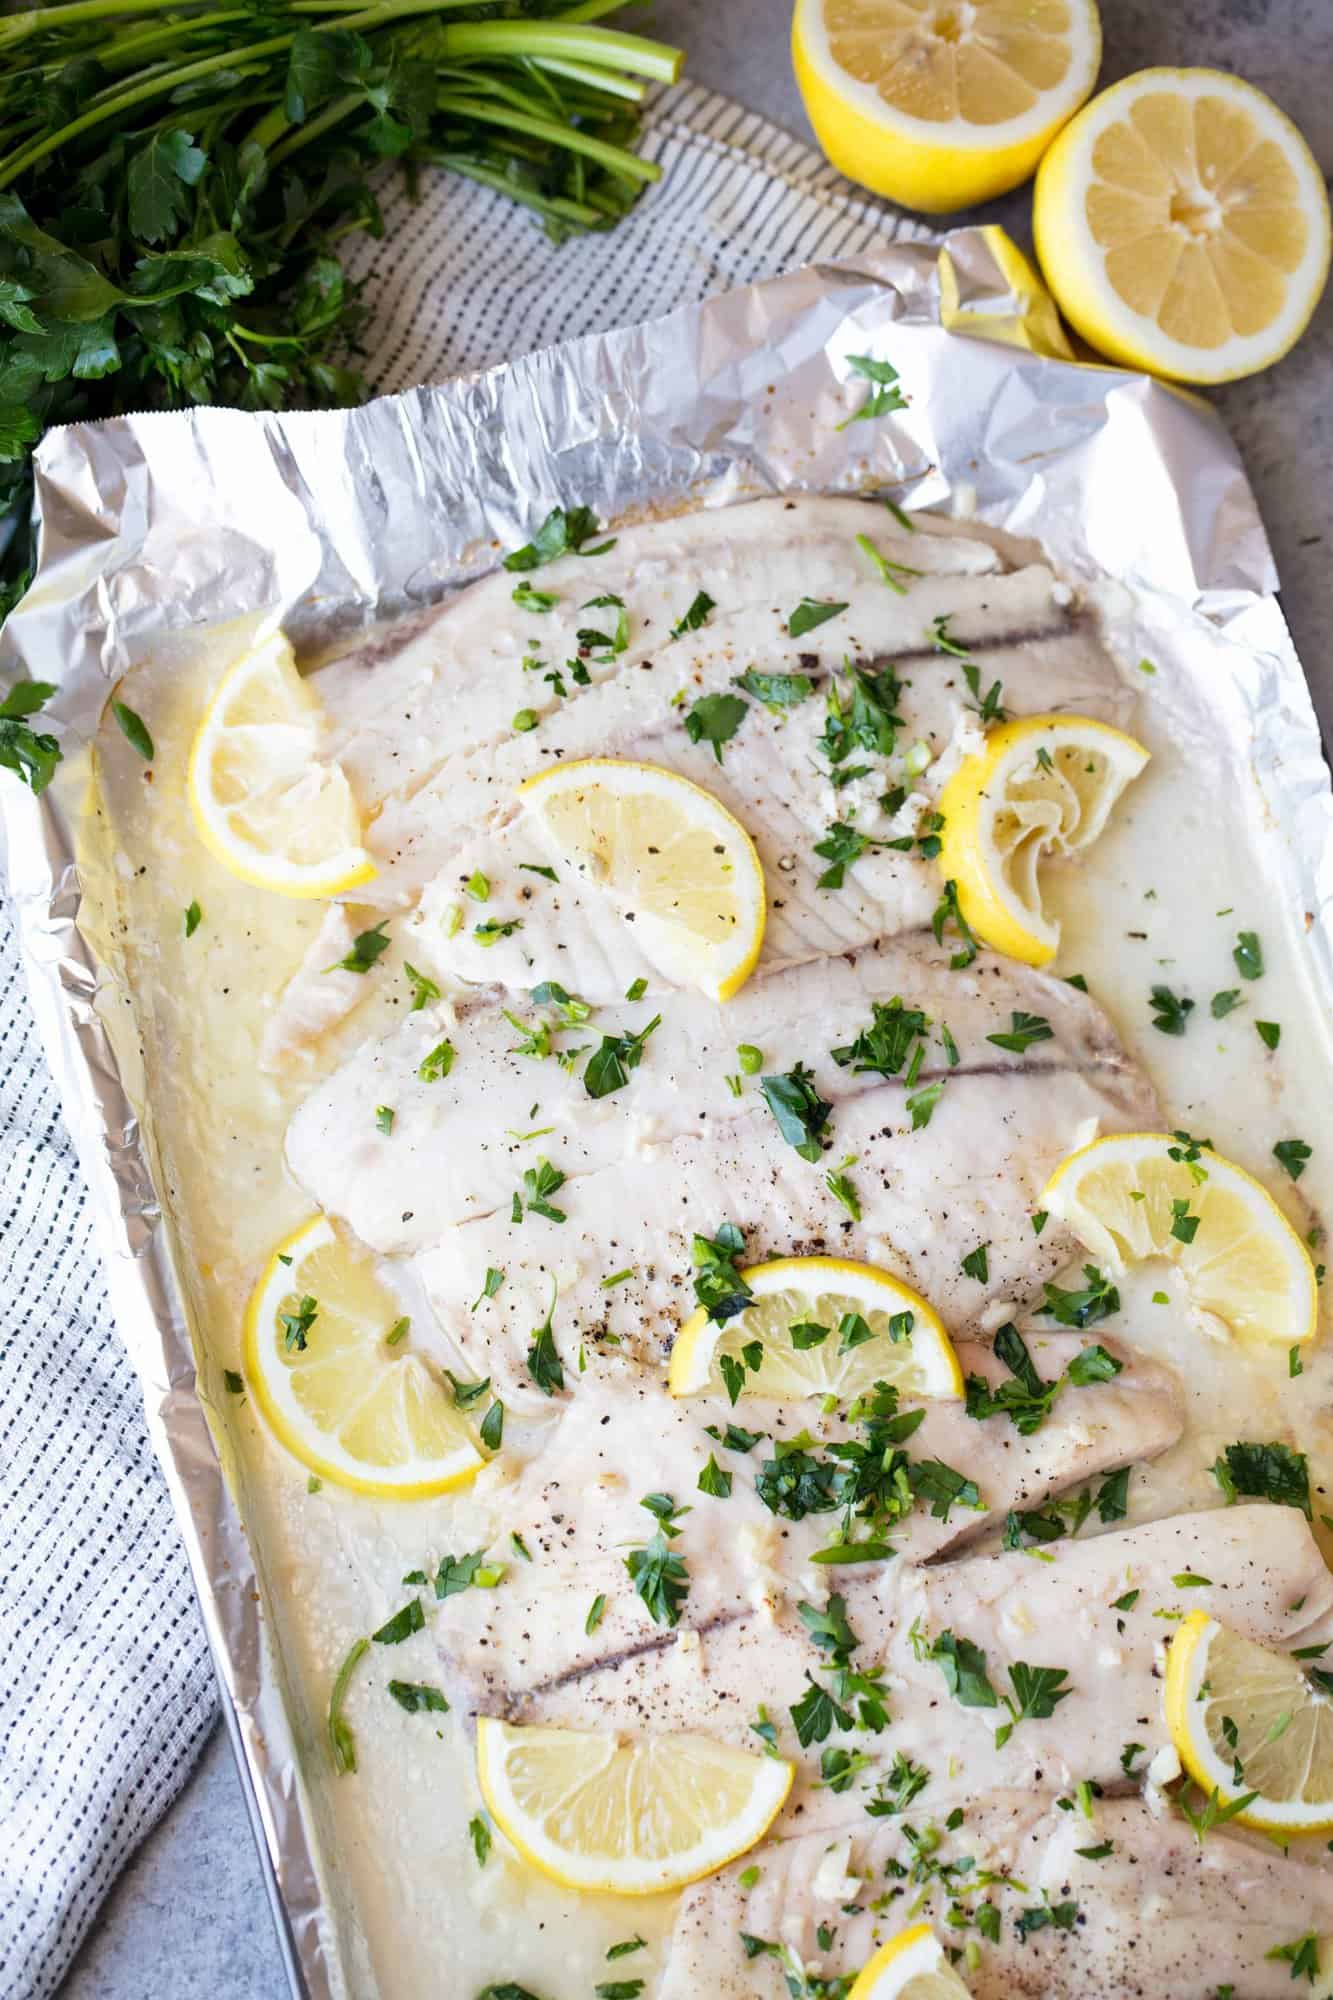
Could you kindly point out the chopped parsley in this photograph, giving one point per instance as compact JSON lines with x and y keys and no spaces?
{"x":133,"y":728}
{"x":1271,"y":1472}
{"x":418,"y":1698}
{"x":976,"y":1264}
{"x":1269,"y":1033}
{"x":843,"y":1191}
{"x":718,"y":1285}
{"x":609,"y":1065}
{"x":715,"y":1480}
{"x":495,"y":928}
{"x":411,"y":1618}
{"x":1225,"y":1002}
{"x":480,"y":1835}
{"x":544,"y":1365}
{"x":490,"y":1286}
{"x":947,"y":912}
{"x":458,"y":1573}
{"x":235,"y":1384}
{"x":194,"y":916}
{"x":860,"y":714}
{"x":562,"y":533}
{"x":690,"y":620}
{"x":1024,"y":1030}
{"x":342,"y":1743}
{"x":714,"y":719}
{"x":528,"y":599}
{"x":802,"y":1114}
{"x":658,"y":1573}
{"x":775,"y":692}
{"x":493,"y":1426}
{"x":885,"y":396}
{"x":1302,"y":1955}
{"x":1249,"y":955}
{"x":596,"y":1613}
{"x":841,"y":845}
{"x":539,"y":1184}
{"x":437,"y":1063}
{"x":367,"y":946}
{"x":1291,"y":1155}
{"x":895,"y":1033}
{"x":296,"y":1326}
{"x":1097,"y":1300}
{"x":384,"y":1116}
{"x":810,"y":613}
{"x":424,"y":990}
{"x":889,"y":571}
{"x":1027,"y":1398}
{"x":1170,"y":1013}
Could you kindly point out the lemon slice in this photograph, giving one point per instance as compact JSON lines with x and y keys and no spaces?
{"x":1183,"y":226}
{"x":911,"y":1966}
{"x":938,"y":106}
{"x":350,"y":1405}
{"x":1247,"y":1720}
{"x":1042,"y":787}
{"x":634,"y":1818}
{"x":263,"y":801}
{"x":669,"y":856}
{"x":1241,"y":1261}
{"x":908,"y":1347}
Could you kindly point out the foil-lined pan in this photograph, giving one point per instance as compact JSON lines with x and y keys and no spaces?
{"x":162,"y":526}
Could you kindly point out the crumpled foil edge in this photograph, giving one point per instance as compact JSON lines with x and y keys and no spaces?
{"x":156,"y":523}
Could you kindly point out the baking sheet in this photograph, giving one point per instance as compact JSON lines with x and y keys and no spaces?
{"x":155,"y":529}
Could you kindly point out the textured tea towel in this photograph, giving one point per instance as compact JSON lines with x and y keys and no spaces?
{"x":106,"y":1693}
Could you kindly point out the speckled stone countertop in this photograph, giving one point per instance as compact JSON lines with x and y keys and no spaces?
{"x":189,"y":1919}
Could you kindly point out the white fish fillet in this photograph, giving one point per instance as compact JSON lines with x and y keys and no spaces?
{"x":522,"y":1650}
{"x":683,"y":1153}
{"x":1159,"y":1918}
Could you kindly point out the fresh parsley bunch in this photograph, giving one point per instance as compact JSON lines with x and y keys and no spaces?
{"x":175,"y":182}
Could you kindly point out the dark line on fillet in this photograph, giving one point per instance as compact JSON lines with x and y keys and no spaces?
{"x":607,"y":1662}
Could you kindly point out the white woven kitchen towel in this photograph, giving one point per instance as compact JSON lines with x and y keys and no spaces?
{"x":106,"y":1693}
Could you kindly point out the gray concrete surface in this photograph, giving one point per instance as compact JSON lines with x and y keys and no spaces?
{"x":188,"y":1917}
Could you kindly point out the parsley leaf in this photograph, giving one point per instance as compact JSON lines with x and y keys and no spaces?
{"x":810,"y":613}
{"x":1249,"y":955}
{"x":563,"y":532}
{"x":690,"y":621}
{"x":714,"y":719}
{"x":1273,"y":1472}
{"x":134,"y":730}
{"x":885,"y":396}
{"x":544,"y":1364}
{"x":661,"y":1579}
{"x":1096,"y":1301}
{"x":1024,"y":1030}
{"x":417,"y":1697}
{"x":424,"y":990}
{"x":718,"y":1285}
{"x":801,"y":1113}
{"x":367,"y":946}
{"x":1292,"y":1155}
{"x":1169,"y":1013}
{"x":609,"y":1066}
{"x":775,"y":692}
{"x":437,"y":1063}
{"x":947,"y":912}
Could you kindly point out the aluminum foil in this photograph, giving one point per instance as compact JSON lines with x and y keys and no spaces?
{"x":155,"y":525}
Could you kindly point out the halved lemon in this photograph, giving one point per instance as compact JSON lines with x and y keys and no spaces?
{"x":1042,"y":787}
{"x":669,"y":855}
{"x":911,"y":1966}
{"x":352,"y":1406}
{"x":907,"y":1347}
{"x":1152,"y":1194}
{"x":1183,"y":226}
{"x":631,"y":1818}
{"x":941,"y":105}
{"x":1247,"y":1720}
{"x":264,"y":802}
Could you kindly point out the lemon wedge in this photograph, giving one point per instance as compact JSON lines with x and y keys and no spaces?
{"x":828,"y":1327}
{"x":264,"y":802}
{"x":352,"y":1405}
{"x":1247,"y":1720}
{"x":633,"y":1818}
{"x":1158,"y":1194}
{"x":1183,"y":225}
{"x":667,"y":854}
{"x":1042,"y":787}
{"x":911,"y":1966}
{"x":941,"y":105}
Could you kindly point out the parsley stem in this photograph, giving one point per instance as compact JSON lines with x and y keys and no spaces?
{"x":614,"y":157}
